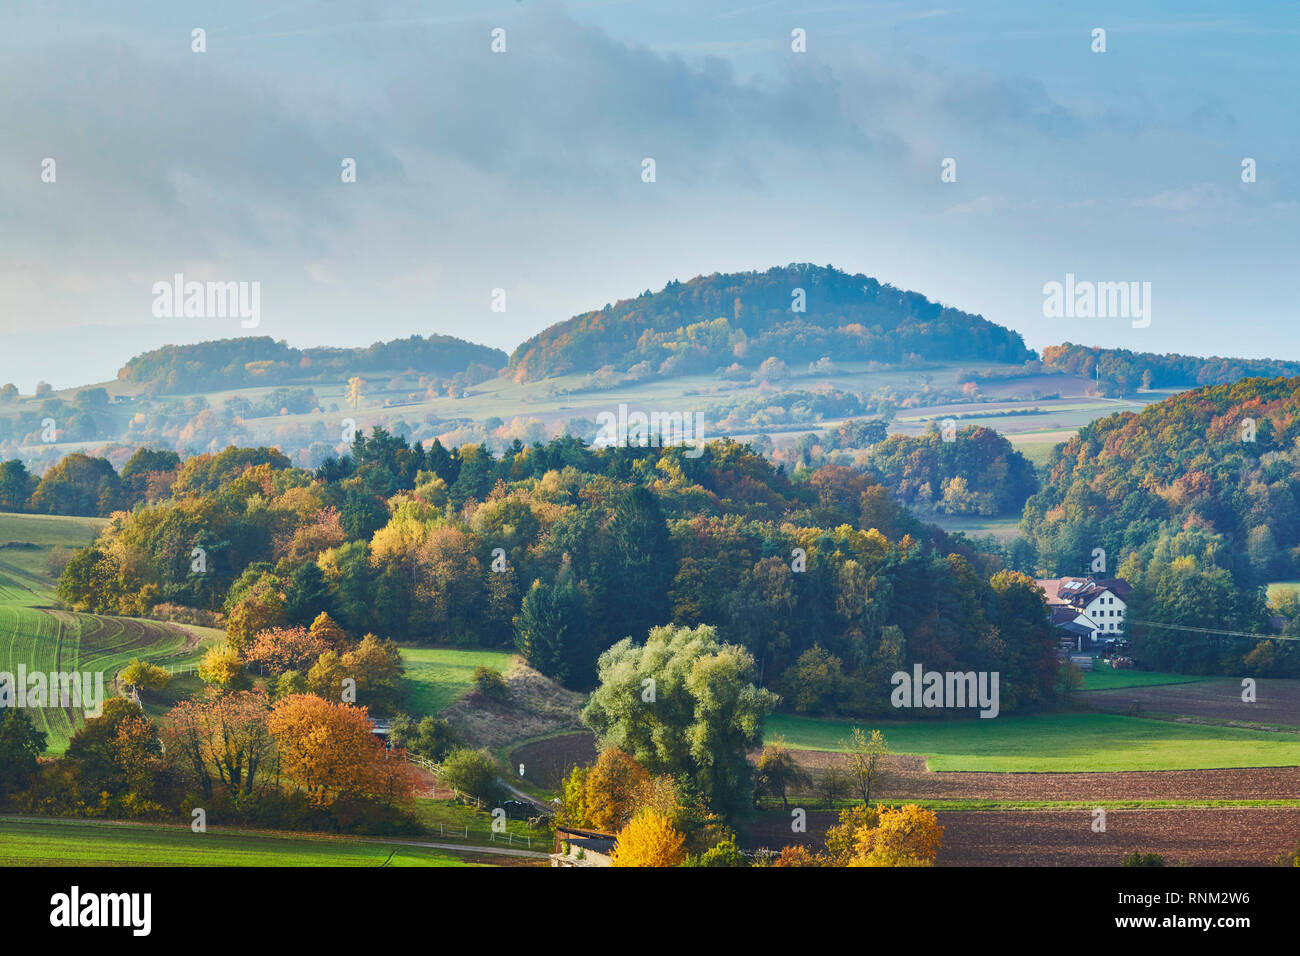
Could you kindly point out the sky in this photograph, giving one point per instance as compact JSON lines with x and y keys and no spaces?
{"x":522,"y":170}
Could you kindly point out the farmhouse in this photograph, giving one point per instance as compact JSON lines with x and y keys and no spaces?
{"x":575,"y":847}
{"x":1089,"y":611}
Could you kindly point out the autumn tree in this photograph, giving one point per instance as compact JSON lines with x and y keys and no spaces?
{"x":903,"y":836}
{"x":649,"y":840}
{"x":778,"y":772}
{"x":611,"y":789}
{"x":329,"y":750}
{"x":279,"y":649}
{"x":867,"y":760}
{"x":144,"y":676}
{"x":222,"y":668}
{"x":325,"y":629}
{"x":374,"y":665}
{"x":222,"y":743}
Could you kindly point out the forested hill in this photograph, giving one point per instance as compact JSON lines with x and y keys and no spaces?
{"x":1121,"y":372}
{"x":253,"y":361}
{"x":717,"y":320}
{"x":1213,"y":473}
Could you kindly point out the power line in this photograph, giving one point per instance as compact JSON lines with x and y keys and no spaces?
{"x":1207,"y":630}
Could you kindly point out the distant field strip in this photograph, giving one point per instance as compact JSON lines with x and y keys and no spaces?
{"x":1052,"y":743}
{"x":81,"y":843}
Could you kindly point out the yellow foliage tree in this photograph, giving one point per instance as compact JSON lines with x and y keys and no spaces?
{"x":649,"y":840}
{"x":905,"y":836}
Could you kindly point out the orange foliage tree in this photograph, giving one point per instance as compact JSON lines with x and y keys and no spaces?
{"x":222,"y":742}
{"x":329,"y":751}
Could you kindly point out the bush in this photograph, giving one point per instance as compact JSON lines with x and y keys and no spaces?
{"x":473,"y":772}
{"x":1138,"y":858}
{"x":490,"y":683}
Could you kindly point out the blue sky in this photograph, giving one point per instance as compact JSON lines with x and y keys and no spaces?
{"x":521,"y":170}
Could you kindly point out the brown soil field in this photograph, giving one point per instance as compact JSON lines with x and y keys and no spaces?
{"x":1200,"y":837}
{"x":548,"y":762}
{"x":908,"y":779}
{"x":1277,"y":702}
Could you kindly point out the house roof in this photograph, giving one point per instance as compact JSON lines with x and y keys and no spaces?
{"x":1079,"y":592}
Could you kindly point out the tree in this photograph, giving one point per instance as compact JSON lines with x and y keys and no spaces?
{"x":903,"y":836}
{"x":816,"y":681}
{"x":841,"y":839}
{"x":324,"y":629}
{"x":551,"y":633}
{"x":78,"y":485}
{"x":778,"y":772}
{"x":279,"y":649}
{"x":329,"y":750}
{"x":20,"y":746}
{"x":683,"y":703}
{"x":473,"y":772}
{"x":222,"y":743}
{"x":222,"y":668}
{"x":376,"y":667}
{"x":610,"y":791}
{"x":16,"y":485}
{"x":141,"y":675}
{"x":649,"y":840}
{"x":867,"y":760}
{"x":355,"y":384}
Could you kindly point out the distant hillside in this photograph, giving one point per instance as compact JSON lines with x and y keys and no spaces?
{"x":1121,"y":372}
{"x":254,"y":361}
{"x":744,"y":318}
{"x":1218,"y":466}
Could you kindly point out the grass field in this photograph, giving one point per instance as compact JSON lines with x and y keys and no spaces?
{"x":1004,"y":529}
{"x":1278,"y":588}
{"x":89,"y":843}
{"x":437,"y":677}
{"x":1053,"y":743}
{"x":26,"y":541}
{"x":47,"y":641}
{"x":1107,"y":678}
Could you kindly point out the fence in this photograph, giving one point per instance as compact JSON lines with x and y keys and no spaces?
{"x":493,"y":837}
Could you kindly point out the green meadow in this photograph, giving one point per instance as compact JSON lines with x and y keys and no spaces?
{"x":1053,"y":743}
{"x":437,"y":677}
{"x":91,"y":843}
